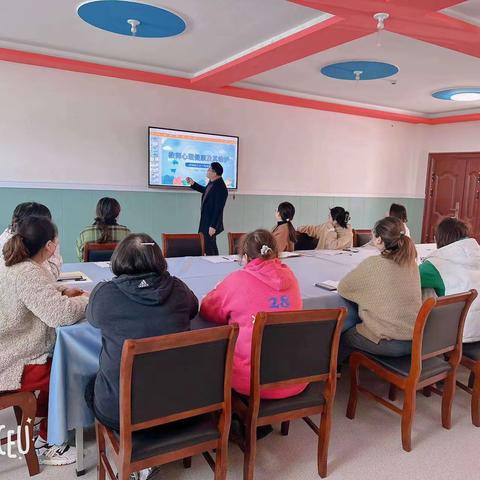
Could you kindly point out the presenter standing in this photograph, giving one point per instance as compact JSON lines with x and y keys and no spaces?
{"x":214,"y":197}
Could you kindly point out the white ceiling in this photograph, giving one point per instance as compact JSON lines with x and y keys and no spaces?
{"x":216,"y":30}
{"x":424,"y":68}
{"x":219,"y":30}
{"x":468,"y":11}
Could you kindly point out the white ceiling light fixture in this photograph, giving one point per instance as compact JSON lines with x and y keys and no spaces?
{"x":465,"y":97}
{"x":380,"y":18}
{"x":133,"y":25}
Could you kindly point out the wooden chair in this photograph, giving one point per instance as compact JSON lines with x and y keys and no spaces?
{"x":98,"y":252}
{"x":471,"y":360}
{"x":233,"y":242}
{"x":175,"y":402}
{"x":438,"y":331}
{"x":305,"y":242}
{"x":25,"y":407}
{"x":183,"y":245}
{"x":361,"y":237}
{"x":291,"y":348}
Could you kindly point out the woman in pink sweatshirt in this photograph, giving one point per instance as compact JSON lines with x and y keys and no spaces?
{"x":265,"y":284}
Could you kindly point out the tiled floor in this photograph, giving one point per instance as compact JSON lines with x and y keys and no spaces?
{"x":368,"y":447}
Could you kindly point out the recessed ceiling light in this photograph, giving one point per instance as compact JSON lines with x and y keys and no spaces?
{"x":465,"y":97}
{"x":464,"y":94}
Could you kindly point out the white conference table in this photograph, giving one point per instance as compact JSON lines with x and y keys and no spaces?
{"x":77,"y":349}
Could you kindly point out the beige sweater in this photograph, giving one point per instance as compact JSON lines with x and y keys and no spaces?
{"x":388,"y":297}
{"x":330,"y":237}
{"x":280,"y":233}
{"x":31,"y":306}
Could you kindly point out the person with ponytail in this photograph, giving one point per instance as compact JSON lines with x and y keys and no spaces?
{"x":105,"y":227}
{"x":22,"y":211}
{"x":284,"y":233}
{"x":335,"y":234}
{"x":265,"y":284}
{"x":386,"y":288}
{"x":32,"y":305}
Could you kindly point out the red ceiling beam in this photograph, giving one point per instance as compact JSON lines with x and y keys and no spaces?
{"x":322,"y":36}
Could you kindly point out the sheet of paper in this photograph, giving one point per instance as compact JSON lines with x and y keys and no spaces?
{"x":221,"y":259}
{"x":288,"y":254}
{"x":103,"y":264}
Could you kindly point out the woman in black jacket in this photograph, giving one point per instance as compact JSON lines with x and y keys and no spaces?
{"x":143,"y":300}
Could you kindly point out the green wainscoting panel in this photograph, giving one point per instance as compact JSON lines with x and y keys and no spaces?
{"x":178,"y":212}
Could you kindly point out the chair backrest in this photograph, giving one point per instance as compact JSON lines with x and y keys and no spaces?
{"x":305,"y":242}
{"x":439,"y":328}
{"x":98,"y":252}
{"x":361,"y":237}
{"x":173,"y":377}
{"x":234,"y":242}
{"x":183,"y":245}
{"x":295,"y":347}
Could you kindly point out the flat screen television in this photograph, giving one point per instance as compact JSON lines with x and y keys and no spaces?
{"x":175,"y":155}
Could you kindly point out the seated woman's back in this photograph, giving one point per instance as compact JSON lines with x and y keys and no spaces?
{"x":455,"y":268}
{"x":105,"y":227}
{"x":143,"y":300}
{"x":335,"y":234}
{"x":264,"y":285}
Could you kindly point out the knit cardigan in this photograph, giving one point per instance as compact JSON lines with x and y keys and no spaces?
{"x":31,"y":306}
{"x":388,"y":297}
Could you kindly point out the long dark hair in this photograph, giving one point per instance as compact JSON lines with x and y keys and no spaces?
{"x":398,"y":247}
{"x":450,"y":230}
{"x":138,"y":253}
{"x":27,"y":209}
{"x":287,"y":211}
{"x":252,"y":244}
{"x":32,"y":234}
{"x":108,"y":210}
{"x":399,"y":211}
{"x":340,"y":215}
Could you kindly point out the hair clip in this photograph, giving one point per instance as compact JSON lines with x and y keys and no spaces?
{"x":265,"y":250}
{"x":148,"y":243}
{"x":402,"y":233}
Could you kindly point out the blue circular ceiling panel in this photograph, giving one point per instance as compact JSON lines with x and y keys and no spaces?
{"x":465,"y":94}
{"x":359,"y":70}
{"x":117,"y":15}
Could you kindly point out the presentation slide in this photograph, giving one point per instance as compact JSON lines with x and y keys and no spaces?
{"x":176,"y":155}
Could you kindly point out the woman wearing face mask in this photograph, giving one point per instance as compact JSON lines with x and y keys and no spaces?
{"x":335,"y":234}
{"x":284,"y":233}
{"x":32,"y":305}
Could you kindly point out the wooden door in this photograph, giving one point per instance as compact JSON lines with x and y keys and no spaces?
{"x":452,"y":190}
{"x":471,"y":192}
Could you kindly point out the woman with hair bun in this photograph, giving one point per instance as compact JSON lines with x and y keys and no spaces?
{"x":335,"y":234}
{"x":284,"y":233}
{"x":265,"y":284}
{"x":386,"y":288}
{"x":32,"y":305}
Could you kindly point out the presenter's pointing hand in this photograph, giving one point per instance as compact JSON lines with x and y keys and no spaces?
{"x":190,"y":180}
{"x":211,"y":231}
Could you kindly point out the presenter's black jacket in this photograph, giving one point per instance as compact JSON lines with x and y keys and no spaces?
{"x":133,"y":306}
{"x":214,"y":198}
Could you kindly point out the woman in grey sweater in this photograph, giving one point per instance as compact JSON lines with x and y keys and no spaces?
{"x":31,"y":307}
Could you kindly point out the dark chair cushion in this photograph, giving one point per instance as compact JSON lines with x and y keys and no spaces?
{"x":305,"y":242}
{"x":472,"y":350}
{"x":100,"y":255}
{"x":401,"y":365}
{"x":173,"y":436}
{"x":312,"y":396}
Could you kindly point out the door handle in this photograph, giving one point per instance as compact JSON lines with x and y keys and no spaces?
{"x":456,"y":210}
